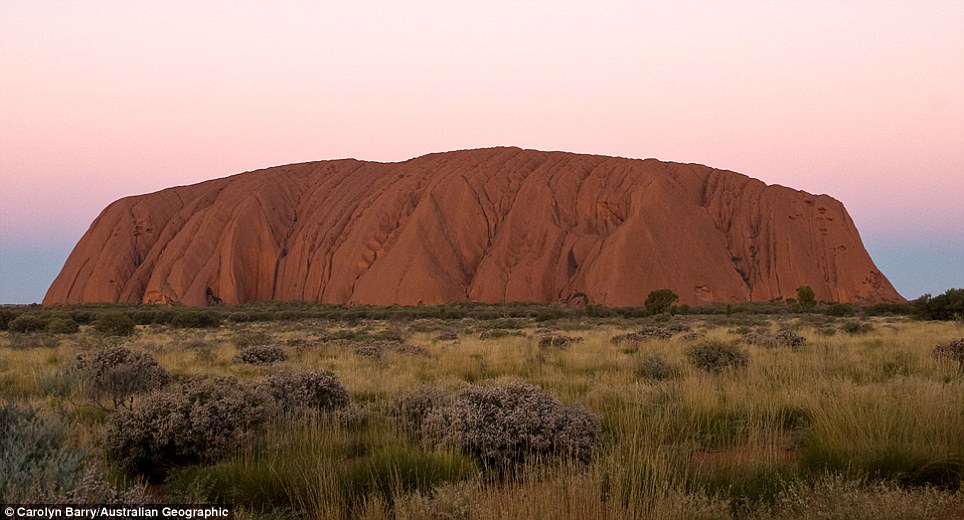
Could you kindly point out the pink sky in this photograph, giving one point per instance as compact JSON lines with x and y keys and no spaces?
{"x":860,"y":100}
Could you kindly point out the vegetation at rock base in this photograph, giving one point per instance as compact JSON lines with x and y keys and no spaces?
{"x":405,"y":413}
{"x":660,"y":301}
{"x":806,"y":298}
{"x":947,"y":306}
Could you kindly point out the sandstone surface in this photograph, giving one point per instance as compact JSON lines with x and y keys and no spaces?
{"x":496,"y":224}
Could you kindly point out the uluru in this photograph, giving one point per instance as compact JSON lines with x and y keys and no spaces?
{"x":490,"y":225}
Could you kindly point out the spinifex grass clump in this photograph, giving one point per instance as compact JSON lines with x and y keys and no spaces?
{"x":117,"y":373}
{"x":505,"y":425}
{"x":715,"y":356}
{"x":261,"y":355}
{"x":196,"y":421}
{"x":315,"y":391}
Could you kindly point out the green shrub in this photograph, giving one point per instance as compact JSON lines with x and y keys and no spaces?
{"x":806,"y":298}
{"x":114,"y":324}
{"x":193,"y":422}
{"x":118,"y":373}
{"x":6,"y":316}
{"x":316,"y":391}
{"x":27,"y":323}
{"x":660,"y":301}
{"x":857,"y":327}
{"x":195,"y":320}
{"x":239,"y":317}
{"x":62,"y":326}
{"x":715,"y":356}
{"x":505,"y":425}
{"x":841,"y":310}
{"x":34,"y":460}
{"x":948,"y":306}
{"x":83,"y":317}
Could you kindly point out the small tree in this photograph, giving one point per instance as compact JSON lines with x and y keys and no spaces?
{"x":806,"y":298}
{"x":660,"y":300}
{"x":947,"y":306}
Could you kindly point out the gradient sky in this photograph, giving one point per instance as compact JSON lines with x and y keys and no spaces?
{"x":860,"y":100}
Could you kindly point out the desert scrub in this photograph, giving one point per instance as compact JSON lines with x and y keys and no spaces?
{"x":32,"y":340}
{"x":558,"y":341}
{"x":499,"y":334}
{"x":261,"y":355}
{"x":27,"y":323}
{"x":247,"y":338}
{"x":506,"y":425}
{"x":857,"y":327}
{"x":789,"y":338}
{"x":114,"y":324}
{"x":653,"y":367}
{"x":314,"y":391}
{"x":34,"y":460}
{"x":62,"y":326}
{"x":644,"y":334}
{"x":195,"y":320}
{"x":117,"y":373}
{"x":952,"y":351}
{"x":376,"y":349}
{"x":715,"y":356}
{"x":411,"y":410}
{"x":446,"y":335}
{"x":196,"y":421}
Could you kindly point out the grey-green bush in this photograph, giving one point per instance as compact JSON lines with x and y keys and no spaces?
{"x":34,"y":460}
{"x":505,"y":425}
{"x":715,"y":356}
{"x":412,"y":409}
{"x":117,"y":373}
{"x":558,"y":341}
{"x":654,"y":367}
{"x":196,"y":421}
{"x":316,"y":391}
{"x":261,"y":354}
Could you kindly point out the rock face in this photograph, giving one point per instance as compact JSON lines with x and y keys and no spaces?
{"x":498,"y":224}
